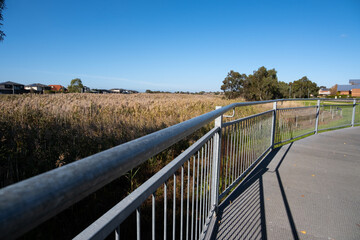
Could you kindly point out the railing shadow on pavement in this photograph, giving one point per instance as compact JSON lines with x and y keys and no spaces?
{"x":245,"y":207}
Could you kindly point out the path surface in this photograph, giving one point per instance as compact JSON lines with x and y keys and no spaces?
{"x":309,"y":189}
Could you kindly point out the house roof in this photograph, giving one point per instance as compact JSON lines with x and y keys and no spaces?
{"x":10,"y":83}
{"x":57,"y":87}
{"x":354,"y":81}
{"x":324,"y":89}
{"x":347,"y":87}
{"x":37,"y":85}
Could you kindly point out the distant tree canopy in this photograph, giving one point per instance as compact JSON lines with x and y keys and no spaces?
{"x":233,"y":84}
{"x":75,"y":86}
{"x":264,"y":85}
{"x":2,"y":6}
{"x":304,"y":88}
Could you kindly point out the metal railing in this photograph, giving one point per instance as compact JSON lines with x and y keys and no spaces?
{"x":189,"y":188}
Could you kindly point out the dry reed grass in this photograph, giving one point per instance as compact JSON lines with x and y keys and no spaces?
{"x":41,"y":132}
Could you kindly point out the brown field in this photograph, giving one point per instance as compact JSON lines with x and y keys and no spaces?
{"x":41,"y":132}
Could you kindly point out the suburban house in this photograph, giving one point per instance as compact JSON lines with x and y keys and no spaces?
{"x":103,"y":91}
{"x":117,"y":90}
{"x":123,"y":91}
{"x":57,"y":88}
{"x":85,"y":89}
{"x":37,"y":87}
{"x":11,"y":88}
{"x":352,"y":89}
{"x":324,"y":92}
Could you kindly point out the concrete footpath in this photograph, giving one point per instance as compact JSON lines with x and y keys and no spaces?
{"x":309,"y":189}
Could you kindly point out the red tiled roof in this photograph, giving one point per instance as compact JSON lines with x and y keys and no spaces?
{"x":57,"y":87}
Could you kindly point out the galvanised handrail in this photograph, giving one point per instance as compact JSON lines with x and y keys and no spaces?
{"x":27,"y":204}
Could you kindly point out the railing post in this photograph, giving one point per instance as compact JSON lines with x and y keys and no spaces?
{"x":216,"y":163}
{"x":317,"y":116}
{"x":353,"y":114}
{"x":273,"y":125}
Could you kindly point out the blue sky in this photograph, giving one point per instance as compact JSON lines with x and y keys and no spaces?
{"x":178,"y":45}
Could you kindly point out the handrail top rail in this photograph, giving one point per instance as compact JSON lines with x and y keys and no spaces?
{"x":28,"y":203}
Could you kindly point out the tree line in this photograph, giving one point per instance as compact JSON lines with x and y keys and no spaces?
{"x":263,"y":84}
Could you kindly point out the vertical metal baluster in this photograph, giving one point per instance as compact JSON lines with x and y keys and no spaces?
{"x":269,"y":128}
{"x":258,"y":132}
{"x":153,"y":216}
{"x":285,"y":123}
{"x":353,"y":113}
{"x":205,"y":180}
{"x":209,"y":175}
{"x":281,"y":125}
{"x":181,"y":203}
{"x":138,"y":224}
{"x":242,"y":147}
{"x":117,"y":233}
{"x":187,"y":201}
{"x":317,"y":116}
{"x":165,"y":207}
{"x":281,"y":132}
{"x":241,"y":152}
{"x":288,"y":126}
{"x":233,"y":170}
{"x":233,"y":155}
{"x":245,"y":145}
{"x":222,"y":158}
{"x":236,"y":150}
{"x":174,"y":207}
{"x":204,"y":185}
{"x":193,"y":198}
{"x":262,"y":132}
{"x":248,"y":143}
{"x":261,"y":135}
{"x":197,"y":194}
{"x":253,"y":140}
{"x":231,"y":147}
{"x":201,"y":188}
{"x":227,"y":158}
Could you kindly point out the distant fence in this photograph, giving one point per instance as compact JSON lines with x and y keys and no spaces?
{"x":188,"y":190}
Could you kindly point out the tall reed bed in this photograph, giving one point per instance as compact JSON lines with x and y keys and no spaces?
{"x":41,"y":132}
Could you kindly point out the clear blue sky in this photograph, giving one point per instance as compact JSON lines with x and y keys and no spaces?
{"x":178,"y":45}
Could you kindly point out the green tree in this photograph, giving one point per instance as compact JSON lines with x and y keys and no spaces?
{"x":262,"y":85}
{"x":284,"y":90}
{"x":233,"y":84}
{"x":2,"y":6}
{"x":303,"y":88}
{"x":75,"y":86}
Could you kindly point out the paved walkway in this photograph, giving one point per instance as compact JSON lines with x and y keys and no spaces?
{"x":309,"y":189}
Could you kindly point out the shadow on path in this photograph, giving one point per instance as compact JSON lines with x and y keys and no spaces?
{"x":242,"y":214}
